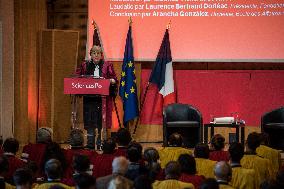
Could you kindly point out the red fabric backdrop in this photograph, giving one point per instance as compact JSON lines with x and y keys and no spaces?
{"x":219,"y":93}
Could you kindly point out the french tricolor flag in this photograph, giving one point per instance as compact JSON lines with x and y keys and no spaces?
{"x":162,"y":75}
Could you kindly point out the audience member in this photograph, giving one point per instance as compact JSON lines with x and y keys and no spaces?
{"x":54,"y":151}
{"x":123,"y":138}
{"x":257,"y":167}
{"x":262,"y":166}
{"x":269,"y":153}
{"x":103,"y":162}
{"x":174,"y":150}
{"x":188,"y":170}
{"x":81,"y":165}
{"x":35,"y":152}
{"x":11,"y":147}
{"x":119,"y":169}
{"x":204,"y":166}
{"x":241,"y":178}
{"x":32,"y":166}
{"x":209,"y":183}
{"x":23,"y":179}
{"x":217,"y":152}
{"x":84,"y":181}
{"x":277,"y":183}
{"x":53,"y":171}
{"x":134,"y":155}
{"x":4,"y":167}
{"x":77,"y":148}
{"x":143,"y":182}
{"x":118,"y":183}
{"x":223,"y":174}
{"x":151,"y":158}
{"x":173,"y":172}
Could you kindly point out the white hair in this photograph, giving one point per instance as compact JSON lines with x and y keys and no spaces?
{"x":118,"y":182}
{"x":44,"y":134}
{"x":223,"y":170}
{"x":120,"y":165}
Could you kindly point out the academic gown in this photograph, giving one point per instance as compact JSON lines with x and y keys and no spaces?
{"x":272,"y":154}
{"x":106,"y":71}
{"x":69,"y":156}
{"x":14,"y":164}
{"x":261,"y":166}
{"x":47,"y":185}
{"x":170,"y":184}
{"x":242,"y":178}
{"x":196,"y":180}
{"x":168,"y":154}
{"x":35,"y":153}
{"x":102,"y":165}
{"x":219,"y":155}
{"x":225,"y":186}
{"x":205,"y":167}
{"x":120,"y":151}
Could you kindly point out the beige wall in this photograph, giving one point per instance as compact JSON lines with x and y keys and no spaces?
{"x":30,"y":18}
{"x":7,"y":68}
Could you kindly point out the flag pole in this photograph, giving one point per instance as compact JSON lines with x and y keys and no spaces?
{"x":168,"y":26}
{"x":116,"y":111}
{"x":141,"y":107}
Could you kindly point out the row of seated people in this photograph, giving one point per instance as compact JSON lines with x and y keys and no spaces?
{"x":23,"y":178}
{"x":101,"y":164}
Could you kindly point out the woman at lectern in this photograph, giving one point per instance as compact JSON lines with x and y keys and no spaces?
{"x":92,"y":105}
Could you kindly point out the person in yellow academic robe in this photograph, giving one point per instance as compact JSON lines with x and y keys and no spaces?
{"x":171,"y":183}
{"x":174,"y":150}
{"x":262,"y":166}
{"x":269,"y":153}
{"x":53,"y":171}
{"x":223,"y":174}
{"x":173,"y":172}
{"x":204,"y":166}
{"x":9,"y":186}
{"x":47,"y":185}
{"x":241,"y":178}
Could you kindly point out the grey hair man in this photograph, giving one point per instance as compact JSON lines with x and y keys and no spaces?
{"x":119,"y":168}
{"x":44,"y":135}
{"x":223,"y":174}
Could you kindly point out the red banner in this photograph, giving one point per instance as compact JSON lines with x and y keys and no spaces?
{"x":86,"y":86}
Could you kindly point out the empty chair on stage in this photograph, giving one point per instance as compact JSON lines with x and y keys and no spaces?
{"x":272,"y":123}
{"x":185,"y":120}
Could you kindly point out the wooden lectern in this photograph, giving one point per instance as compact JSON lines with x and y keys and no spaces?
{"x":84,"y":86}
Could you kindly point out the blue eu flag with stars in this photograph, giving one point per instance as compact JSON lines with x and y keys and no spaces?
{"x":128,"y":88}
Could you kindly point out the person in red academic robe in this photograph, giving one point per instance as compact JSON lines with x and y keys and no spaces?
{"x":123,"y":138}
{"x":217,"y":152}
{"x":35,"y":151}
{"x":4,"y":166}
{"x":77,"y":143}
{"x":188,"y":170}
{"x":92,"y":105}
{"x":102,"y":163}
{"x":11,"y":146}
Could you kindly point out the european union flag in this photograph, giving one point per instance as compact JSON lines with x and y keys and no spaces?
{"x":128,"y":88}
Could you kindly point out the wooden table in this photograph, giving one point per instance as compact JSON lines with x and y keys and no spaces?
{"x":237,"y":126}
